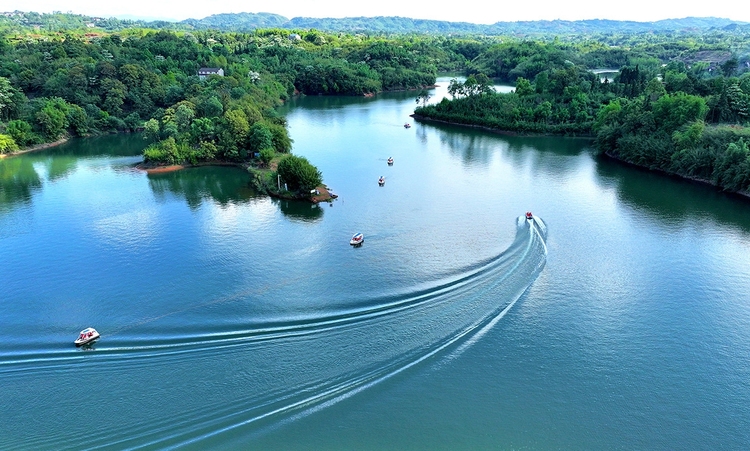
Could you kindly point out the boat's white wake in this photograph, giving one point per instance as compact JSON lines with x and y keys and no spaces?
{"x":284,"y":369}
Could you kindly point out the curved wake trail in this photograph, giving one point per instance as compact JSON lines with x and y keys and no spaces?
{"x":272,"y":372}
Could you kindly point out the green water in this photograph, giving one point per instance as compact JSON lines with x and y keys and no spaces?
{"x":618,"y":319}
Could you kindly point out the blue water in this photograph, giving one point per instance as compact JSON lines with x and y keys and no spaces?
{"x":618,"y":319}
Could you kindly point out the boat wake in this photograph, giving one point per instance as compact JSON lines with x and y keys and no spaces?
{"x":274,"y":370}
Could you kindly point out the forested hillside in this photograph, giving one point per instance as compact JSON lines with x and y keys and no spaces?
{"x":78,"y":83}
{"x":386,"y":25}
{"x":673,"y":101}
{"x":681,"y":107}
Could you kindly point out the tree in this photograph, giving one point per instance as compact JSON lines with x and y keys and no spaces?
{"x":675,"y":110}
{"x":655,"y":89}
{"x":266,"y":155}
{"x":52,"y":118}
{"x":6,"y":97}
{"x":183,"y":117}
{"x":78,"y":120}
{"x":113,"y":95}
{"x":259,"y":137}
{"x":202,"y":130}
{"x":282,"y":143}
{"x":733,"y":168}
{"x":211,"y":107}
{"x":523,"y":87}
{"x":166,"y":151}
{"x":543,"y":111}
{"x":423,"y":97}
{"x":151,"y":130}
{"x":730,"y":66}
{"x":455,"y":88}
{"x":20,"y":131}
{"x":7,"y":144}
{"x":133,"y":121}
{"x":299,"y":174}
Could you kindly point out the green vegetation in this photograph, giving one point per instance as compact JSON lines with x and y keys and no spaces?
{"x":679,"y":101}
{"x":83,"y":81}
{"x":687,"y":115}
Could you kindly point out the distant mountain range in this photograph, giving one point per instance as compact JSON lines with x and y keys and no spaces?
{"x":252,"y":21}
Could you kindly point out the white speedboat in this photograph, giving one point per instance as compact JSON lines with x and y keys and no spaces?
{"x":87,"y":336}
{"x":407,"y":125}
{"x":390,"y":161}
{"x":357,"y":239}
{"x":381,"y":181}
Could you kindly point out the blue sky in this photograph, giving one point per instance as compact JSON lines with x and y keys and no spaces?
{"x":455,"y":11}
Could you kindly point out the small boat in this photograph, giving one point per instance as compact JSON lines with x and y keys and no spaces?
{"x":357,"y":240}
{"x":529,"y":215}
{"x":407,"y":125}
{"x":390,"y":161}
{"x":87,"y":335}
{"x":381,"y":181}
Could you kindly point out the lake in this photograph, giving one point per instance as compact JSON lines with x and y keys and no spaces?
{"x":619,"y":318}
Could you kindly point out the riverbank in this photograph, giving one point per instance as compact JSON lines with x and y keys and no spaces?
{"x":745,"y":195}
{"x":498,"y":131}
{"x":35,"y":148}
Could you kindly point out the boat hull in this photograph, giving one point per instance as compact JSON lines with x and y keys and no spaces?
{"x":87,"y":341}
{"x":87,"y":336}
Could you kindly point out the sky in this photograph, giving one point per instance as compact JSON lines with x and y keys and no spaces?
{"x":455,"y":11}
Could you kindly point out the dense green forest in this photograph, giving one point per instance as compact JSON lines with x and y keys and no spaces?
{"x":680,"y":107}
{"x":675,"y":101}
{"x":54,"y":85}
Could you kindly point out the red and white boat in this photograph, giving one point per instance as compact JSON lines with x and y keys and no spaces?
{"x":381,"y":181}
{"x":390,"y":161}
{"x":529,"y":215}
{"x":87,"y":336}
{"x":357,"y":239}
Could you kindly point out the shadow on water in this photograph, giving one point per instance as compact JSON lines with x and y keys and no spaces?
{"x":670,"y":198}
{"x":224,"y":185}
{"x":117,"y":145}
{"x":301,"y":211}
{"x":338,"y":102}
{"x":22,"y":175}
{"x":18,"y":182}
{"x":475,"y":146}
{"x":322,"y":103}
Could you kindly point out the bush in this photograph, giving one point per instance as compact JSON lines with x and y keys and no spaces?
{"x":299,"y":174}
{"x":7,"y":144}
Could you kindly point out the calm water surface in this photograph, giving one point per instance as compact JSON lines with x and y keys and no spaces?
{"x":618,"y":319}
